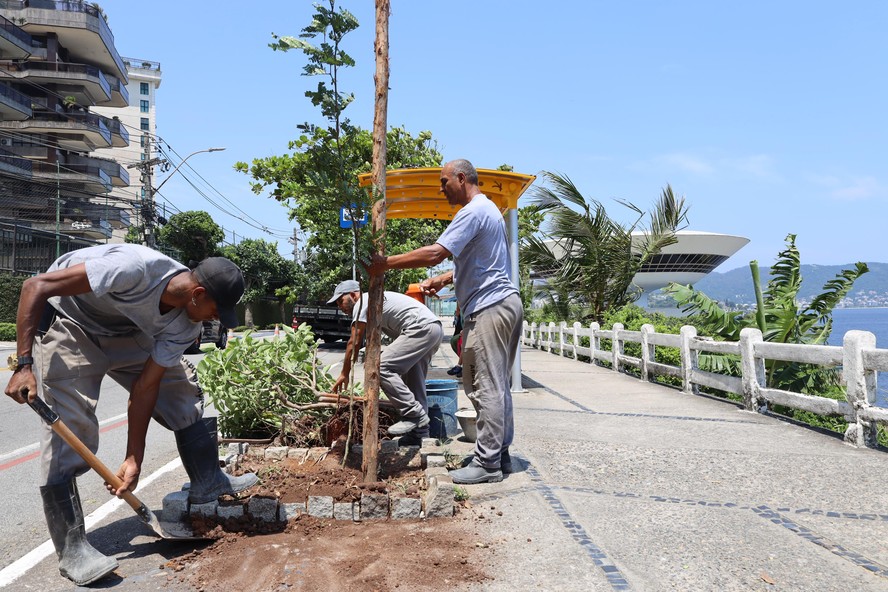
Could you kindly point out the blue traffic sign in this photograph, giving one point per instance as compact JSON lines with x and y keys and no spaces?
{"x":346,"y":221}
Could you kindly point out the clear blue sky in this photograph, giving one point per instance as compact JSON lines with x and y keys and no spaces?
{"x":769,"y":117}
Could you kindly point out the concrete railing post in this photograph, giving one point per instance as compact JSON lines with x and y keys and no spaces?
{"x":576,"y":338}
{"x":534,"y":335}
{"x":647,"y":350}
{"x":860,"y":386}
{"x":616,"y":346}
{"x":752,"y":369}
{"x":561,"y":326}
{"x":594,"y":344}
{"x":551,"y":339}
{"x":688,"y":358}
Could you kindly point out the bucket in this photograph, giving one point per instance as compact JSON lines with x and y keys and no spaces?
{"x":441,"y":396}
{"x":468,"y":419}
{"x":415,"y":292}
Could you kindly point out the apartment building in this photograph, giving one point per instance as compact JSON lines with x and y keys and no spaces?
{"x":139,"y":117}
{"x":58,"y":62}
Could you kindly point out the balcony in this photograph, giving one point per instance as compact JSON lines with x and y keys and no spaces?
{"x":119,"y":134}
{"x":13,"y":164}
{"x":119,"y":93}
{"x":91,"y":220}
{"x":74,"y":23}
{"x":87,"y":84}
{"x":117,"y":173}
{"x":15,"y":44}
{"x":87,"y":177}
{"x":79,"y":132}
{"x":13,"y":104}
{"x":98,"y":214}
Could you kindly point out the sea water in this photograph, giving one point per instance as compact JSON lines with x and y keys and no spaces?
{"x":874,"y":320}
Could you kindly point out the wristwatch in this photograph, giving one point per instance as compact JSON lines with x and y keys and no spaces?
{"x":23,"y":361}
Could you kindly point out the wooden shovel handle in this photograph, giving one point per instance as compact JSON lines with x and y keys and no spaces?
{"x":59,"y":427}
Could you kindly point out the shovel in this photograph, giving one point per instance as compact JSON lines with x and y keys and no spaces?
{"x":165,"y":530}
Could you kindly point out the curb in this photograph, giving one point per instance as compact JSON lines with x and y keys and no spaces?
{"x":436,"y":502}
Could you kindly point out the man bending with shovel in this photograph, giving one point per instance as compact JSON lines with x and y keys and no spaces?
{"x":128,"y":312}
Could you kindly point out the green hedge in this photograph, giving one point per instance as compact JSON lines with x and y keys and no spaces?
{"x":7,"y":331}
{"x":10,"y":288}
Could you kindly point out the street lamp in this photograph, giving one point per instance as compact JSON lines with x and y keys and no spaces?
{"x":183,"y":162}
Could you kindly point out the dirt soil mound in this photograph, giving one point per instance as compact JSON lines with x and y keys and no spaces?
{"x":323,"y":554}
{"x":318,"y":554}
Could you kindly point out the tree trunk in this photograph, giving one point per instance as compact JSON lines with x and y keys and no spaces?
{"x":370,"y":463}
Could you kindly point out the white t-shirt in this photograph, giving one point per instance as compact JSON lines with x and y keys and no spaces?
{"x":477,"y":239}
{"x":400,"y":313}
{"x":127,"y":282}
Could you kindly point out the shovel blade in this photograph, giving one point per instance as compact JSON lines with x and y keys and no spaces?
{"x":166,"y":529}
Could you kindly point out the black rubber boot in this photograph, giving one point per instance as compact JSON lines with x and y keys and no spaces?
{"x":199,"y":451}
{"x":78,"y":560}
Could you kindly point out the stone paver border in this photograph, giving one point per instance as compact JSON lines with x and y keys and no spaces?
{"x":437,"y":501}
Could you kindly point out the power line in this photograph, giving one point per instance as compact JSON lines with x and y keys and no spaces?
{"x":258,"y":224}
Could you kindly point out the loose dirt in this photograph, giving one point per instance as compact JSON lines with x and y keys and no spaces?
{"x":324,"y":554}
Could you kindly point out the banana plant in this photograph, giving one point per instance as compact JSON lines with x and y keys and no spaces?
{"x":779,"y":317}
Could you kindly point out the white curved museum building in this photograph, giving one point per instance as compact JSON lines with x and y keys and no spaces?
{"x":686,"y":261}
{"x":689,"y":260}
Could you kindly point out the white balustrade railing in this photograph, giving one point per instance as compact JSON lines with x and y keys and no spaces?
{"x":858,"y":357}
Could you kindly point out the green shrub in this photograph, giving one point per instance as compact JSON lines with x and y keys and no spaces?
{"x":7,"y":331}
{"x":251,"y":381}
{"x":10,"y":289}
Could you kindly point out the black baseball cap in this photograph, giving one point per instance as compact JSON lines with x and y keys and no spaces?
{"x":224,"y":282}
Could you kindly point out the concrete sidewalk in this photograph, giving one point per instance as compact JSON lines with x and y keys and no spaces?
{"x":629,"y":485}
{"x":626,"y":485}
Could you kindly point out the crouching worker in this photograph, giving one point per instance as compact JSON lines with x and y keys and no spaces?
{"x":416,"y":334}
{"x":127,"y":312}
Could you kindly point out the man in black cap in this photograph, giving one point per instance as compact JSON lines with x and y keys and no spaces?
{"x":127,"y":312}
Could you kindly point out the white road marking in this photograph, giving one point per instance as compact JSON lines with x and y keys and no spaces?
{"x":18,"y":568}
{"x":32,"y":447}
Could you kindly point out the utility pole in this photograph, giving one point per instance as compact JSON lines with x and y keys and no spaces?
{"x":146,"y":166}
{"x":295,"y":242}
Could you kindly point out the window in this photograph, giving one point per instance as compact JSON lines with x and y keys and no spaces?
{"x":143,"y":106}
{"x":142,"y":141}
{"x":143,"y":88}
{"x":144,"y":124}
{"x":142,"y":156}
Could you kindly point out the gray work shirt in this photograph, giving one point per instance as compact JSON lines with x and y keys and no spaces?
{"x":127,"y":282}
{"x":399,"y":313}
{"x":477,"y":239}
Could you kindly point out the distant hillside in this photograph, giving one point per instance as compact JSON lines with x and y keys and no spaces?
{"x":736,"y":285}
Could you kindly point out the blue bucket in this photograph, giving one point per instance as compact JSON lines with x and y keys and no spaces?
{"x":441,"y":396}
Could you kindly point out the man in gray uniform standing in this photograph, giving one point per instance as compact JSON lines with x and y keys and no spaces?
{"x":127,"y":312}
{"x":416,"y":334}
{"x":490,"y":307}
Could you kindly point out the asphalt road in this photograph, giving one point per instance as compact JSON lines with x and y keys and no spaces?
{"x":22,"y":524}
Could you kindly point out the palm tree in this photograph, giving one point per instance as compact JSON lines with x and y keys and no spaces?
{"x":589,"y":257}
{"x":778,"y":316}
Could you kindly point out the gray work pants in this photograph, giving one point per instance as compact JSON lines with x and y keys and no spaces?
{"x":403,"y":367}
{"x":70,"y":367}
{"x":490,"y":340}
